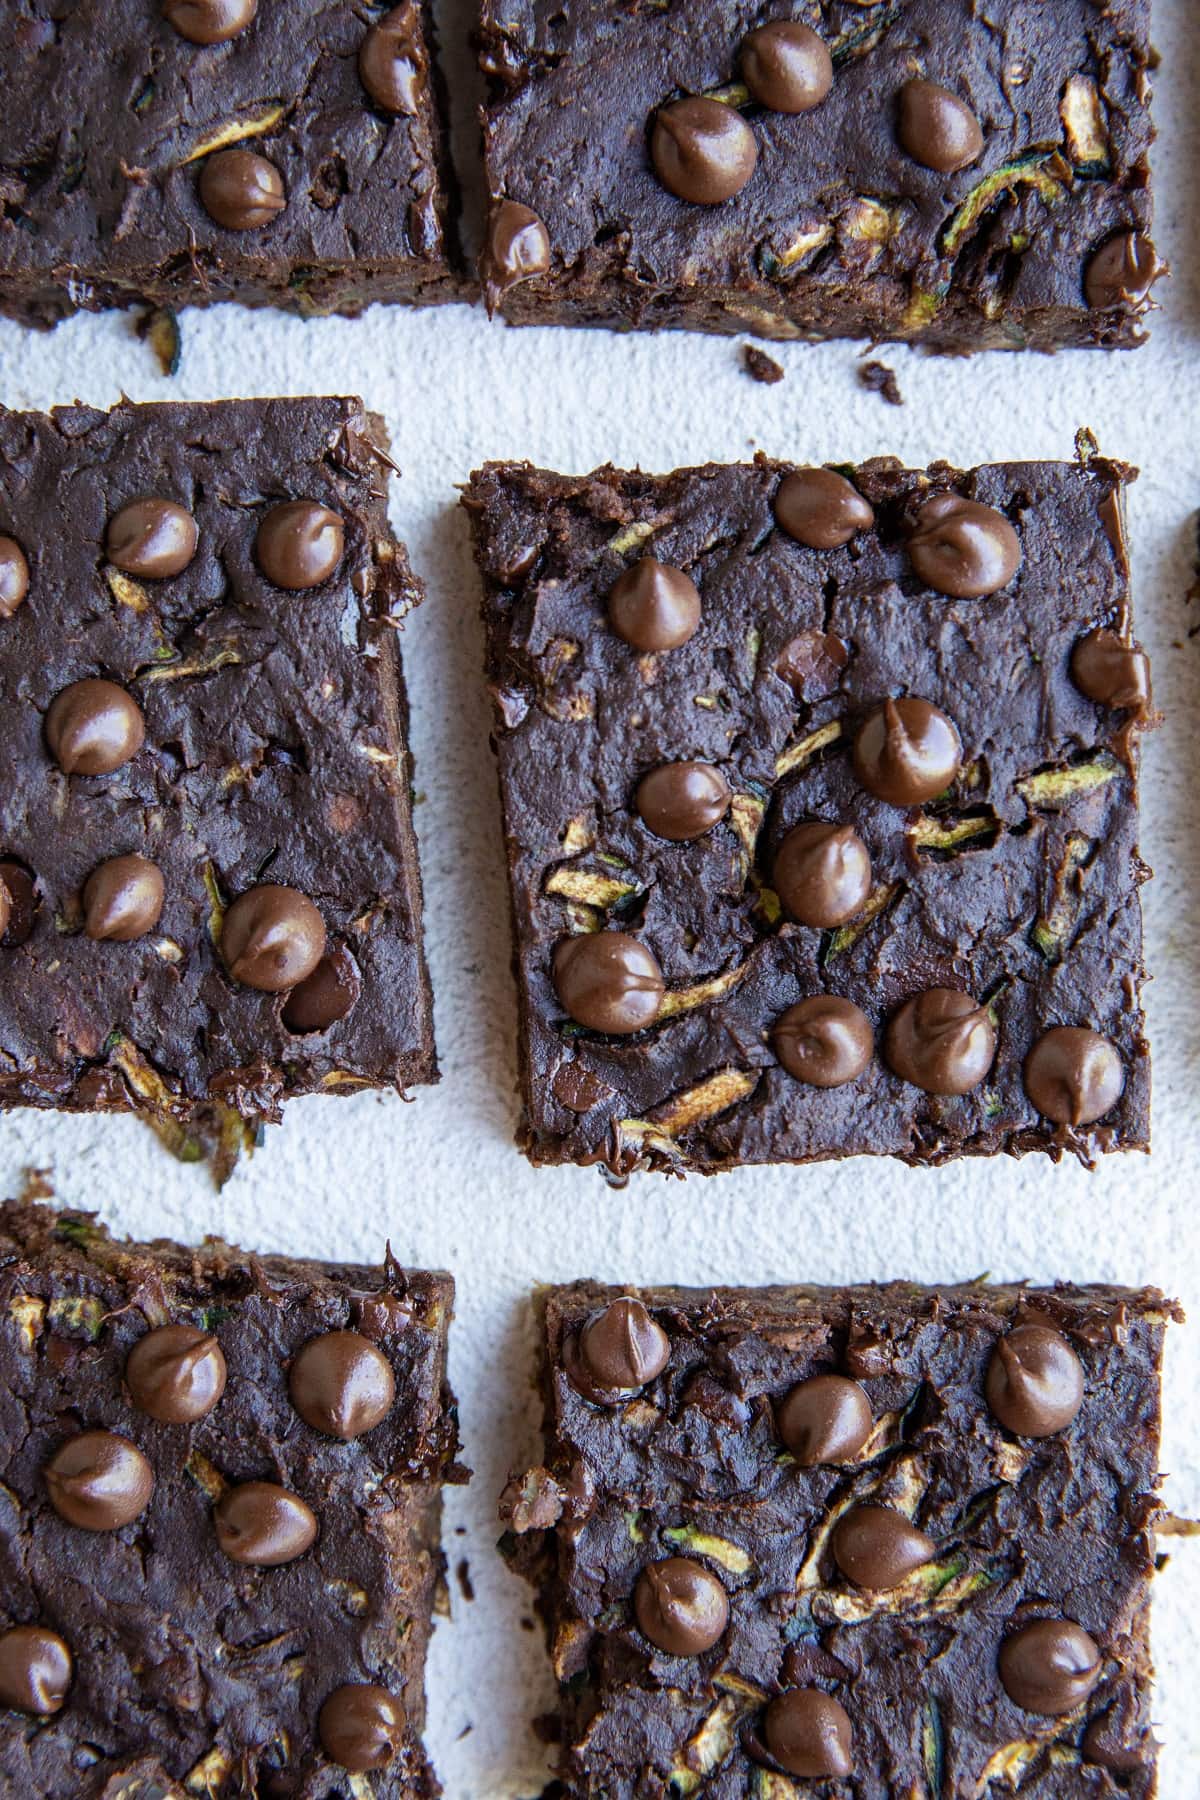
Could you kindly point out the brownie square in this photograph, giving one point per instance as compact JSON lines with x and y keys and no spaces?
{"x":958,"y":177}
{"x":890,"y":1540}
{"x":966,"y":978}
{"x":299,"y":161}
{"x":149,"y":1392}
{"x":274,"y":763}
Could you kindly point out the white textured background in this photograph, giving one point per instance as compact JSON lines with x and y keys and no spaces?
{"x":440,"y":1176}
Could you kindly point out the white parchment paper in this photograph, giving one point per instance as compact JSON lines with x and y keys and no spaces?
{"x":439,"y":1176}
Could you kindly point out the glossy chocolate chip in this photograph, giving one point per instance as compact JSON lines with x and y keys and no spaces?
{"x":21,"y":896}
{"x":241,"y":190}
{"x":962,"y":548}
{"x":821,"y":509}
{"x":681,"y":801}
{"x":1112,"y":672}
{"x":209,"y":21}
{"x":1034,"y":1382}
{"x":1073,"y":1075}
{"x":518,"y":248}
{"x":299,"y":544}
{"x":14,"y":576}
{"x":824,"y":1041}
{"x":94,"y":727}
{"x":391,"y":62}
{"x":1121,"y":272}
{"x":680,"y":1607}
{"x":822,"y":873}
{"x":936,"y":128}
{"x":99,"y":1481}
{"x":35,"y":1670}
{"x":122,"y":899}
{"x":808,"y":1733}
{"x":341,"y":1384}
{"x":876,"y":1548}
{"x":272,"y":938}
{"x":176,"y":1374}
{"x":811,"y":663}
{"x":152,"y":538}
{"x":327,"y":995}
{"x":623,"y":1346}
{"x":1049,"y":1667}
{"x":786,"y":66}
{"x":702,"y":151}
{"x":941,"y":1041}
{"x":608,"y":981}
{"x":907,"y":752}
{"x":654,"y":607}
{"x":826,"y":1419}
{"x":361,"y":1727}
{"x":263,"y":1525}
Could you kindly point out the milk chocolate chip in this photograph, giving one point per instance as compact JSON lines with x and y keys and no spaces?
{"x":680,"y":1607}
{"x":1034,"y":1383}
{"x":608,"y":981}
{"x":702,"y":150}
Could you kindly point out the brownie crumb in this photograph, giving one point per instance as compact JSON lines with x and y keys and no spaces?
{"x":877,"y":378}
{"x":759,"y":366}
{"x":466,"y":1585}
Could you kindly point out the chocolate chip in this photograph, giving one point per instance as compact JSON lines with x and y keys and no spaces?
{"x":681,"y":801}
{"x":391,"y":64}
{"x":94,"y":727}
{"x":811,"y":663}
{"x":35,"y":1670}
{"x":518,"y":248}
{"x":936,"y":128}
{"x":1121,"y":272}
{"x":702,"y":151}
{"x":876,"y":1548}
{"x":14,"y":576}
{"x":654,"y":607}
{"x":941,"y":1041}
{"x":623,"y":1347}
{"x":820,"y":508}
{"x":153,"y":538}
{"x":1049,"y":1667}
{"x":808,"y":1733}
{"x":209,"y":21}
{"x":262,"y":1524}
{"x":962,"y":548}
{"x":272,"y":938}
{"x":1112,"y":672}
{"x":826,"y":1419}
{"x":822,"y":873}
{"x":361,"y":1727}
{"x":341,"y":1384}
{"x":22,"y":903}
{"x":907,"y":752}
{"x":176,"y":1374}
{"x":122,"y":899}
{"x":327,"y":995}
{"x":299,"y":544}
{"x":608,"y":981}
{"x":824,"y":1041}
{"x":99,"y":1481}
{"x":1034,"y":1382}
{"x":1074,"y":1076}
{"x":241,"y":190}
{"x":786,"y":66}
{"x":680,"y":1607}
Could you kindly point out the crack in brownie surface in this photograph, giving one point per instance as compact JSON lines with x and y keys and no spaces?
{"x":766,"y":735}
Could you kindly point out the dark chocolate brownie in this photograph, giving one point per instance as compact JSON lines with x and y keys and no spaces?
{"x":896,"y":1541}
{"x":298,"y":160}
{"x":207,"y":775}
{"x":927,"y":170}
{"x":193,"y":1570}
{"x":821,"y":807}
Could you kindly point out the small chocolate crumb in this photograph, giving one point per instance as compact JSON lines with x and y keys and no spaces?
{"x":877,"y":378}
{"x":759,"y":366}
{"x":466,"y":1586}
